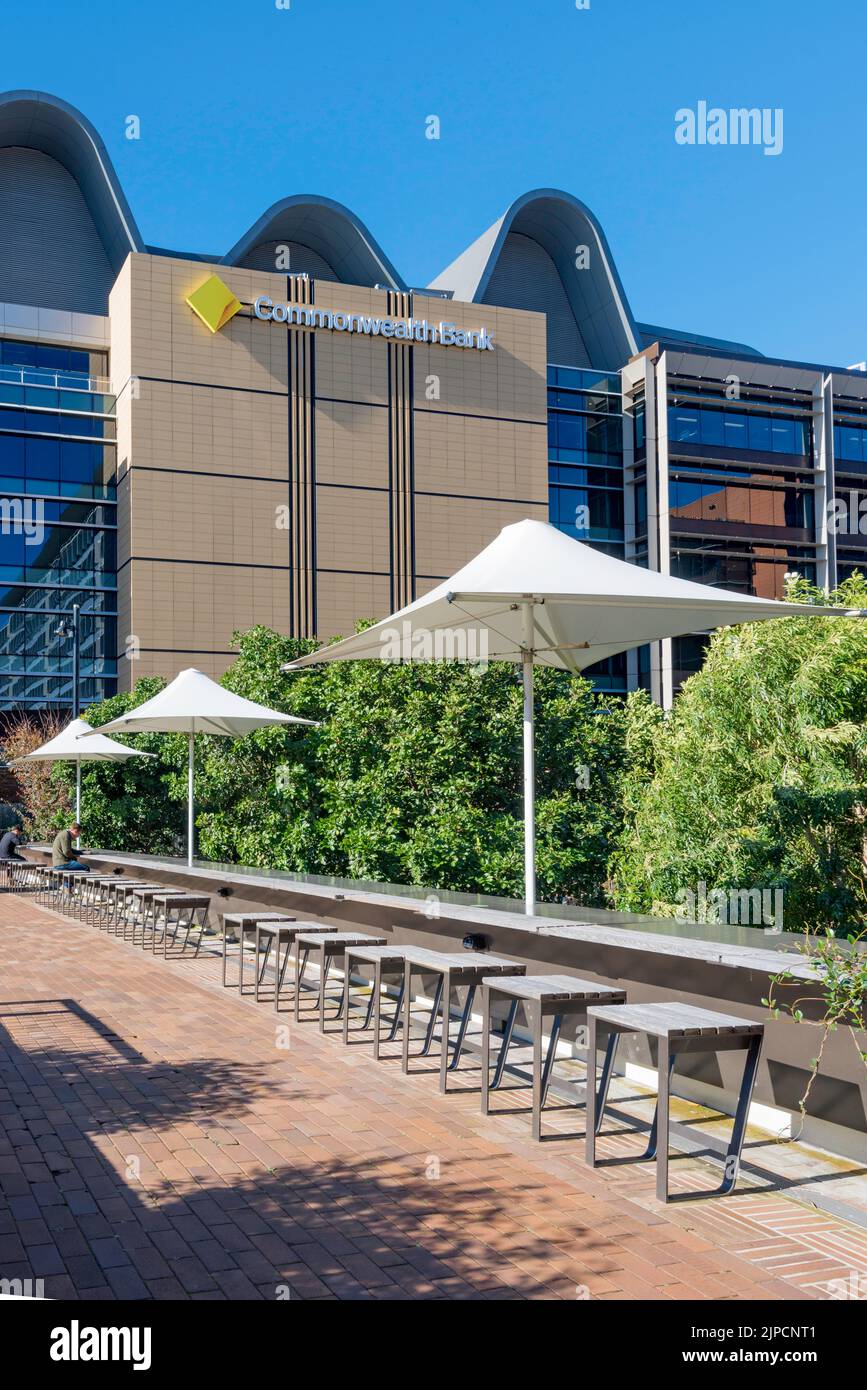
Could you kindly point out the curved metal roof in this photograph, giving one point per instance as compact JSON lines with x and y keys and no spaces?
{"x":327,"y":227}
{"x":555,"y":220}
{"x":39,"y":121}
{"x":560,"y":224}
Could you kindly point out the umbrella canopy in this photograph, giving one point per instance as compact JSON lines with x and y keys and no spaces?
{"x":66,"y":747}
{"x":194,"y":704}
{"x":536,"y":596}
{"x":535,"y":588}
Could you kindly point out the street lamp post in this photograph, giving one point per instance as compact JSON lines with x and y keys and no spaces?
{"x":73,"y":629}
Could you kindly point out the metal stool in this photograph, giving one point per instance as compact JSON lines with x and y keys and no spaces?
{"x":678,"y":1028}
{"x":180,"y":912}
{"x":242,"y":923}
{"x":542,"y":996}
{"x":384,"y":960}
{"x":279,"y":934}
{"x":330,"y":946}
{"x":143,"y":906}
{"x":467,"y":969}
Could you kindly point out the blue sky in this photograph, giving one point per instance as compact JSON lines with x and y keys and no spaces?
{"x":243,"y":103}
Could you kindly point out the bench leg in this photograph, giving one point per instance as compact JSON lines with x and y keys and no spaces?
{"x":324,"y":969}
{"x":398,"y":1008}
{"x":653,"y":1138}
{"x":445,"y":1010}
{"x":260,"y":969}
{"x":607,"y":1069}
{"x":377,"y":1014}
{"x":299,"y":970}
{"x":347,"y":975}
{"x":534,"y":1009}
{"x":407,"y":1006}
{"x":665,"y":1066}
{"x":504,"y":1046}
{"x":595,"y":1100}
{"x":486,"y":1046}
{"x":556,"y":1025}
{"x":429,"y":1034}
{"x":281,"y":974}
{"x":377,"y":972}
{"x":462,"y":1028}
{"x":733,"y":1156}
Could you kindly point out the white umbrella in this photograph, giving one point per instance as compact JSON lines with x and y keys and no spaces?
{"x":67,"y":747}
{"x":194,"y":704}
{"x":534,"y":595}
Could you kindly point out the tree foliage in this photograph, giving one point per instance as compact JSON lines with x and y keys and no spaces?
{"x":413,"y":776}
{"x":46,"y":800}
{"x":760,"y":773}
{"x":757,"y":779}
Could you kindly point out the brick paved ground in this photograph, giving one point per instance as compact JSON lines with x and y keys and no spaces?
{"x":159,"y":1140}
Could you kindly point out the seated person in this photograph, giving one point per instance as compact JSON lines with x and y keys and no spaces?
{"x":10,"y":842}
{"x":63,"y":855}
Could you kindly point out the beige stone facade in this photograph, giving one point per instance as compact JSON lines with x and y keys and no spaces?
{"x":305,"y":478}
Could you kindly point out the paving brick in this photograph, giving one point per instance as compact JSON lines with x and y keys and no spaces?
{"x":305,"y":1175}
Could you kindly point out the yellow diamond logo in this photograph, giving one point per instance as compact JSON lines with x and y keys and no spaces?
{"x":214,"y":303}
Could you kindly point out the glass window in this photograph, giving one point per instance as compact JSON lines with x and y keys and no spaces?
{"x":712,"y":427}
{"x":43,"y":458}
{"x":13,"y":420}
{"x":759,"y":430}
{"x":850,"y":444}
{"x":12,"y":455}
{"x":783,"y":436}
{"x":735,"y":431}
{"x":684,"y":425}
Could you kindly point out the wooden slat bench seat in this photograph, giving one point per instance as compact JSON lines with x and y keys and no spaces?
{"x":553,"y":997}
{"x":678,"y":1028}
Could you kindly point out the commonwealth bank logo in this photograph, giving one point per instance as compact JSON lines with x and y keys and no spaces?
{"x":214,"y":303}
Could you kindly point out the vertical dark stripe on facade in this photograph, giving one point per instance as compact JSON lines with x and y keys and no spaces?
{"x":392,"y":554}
{"x":302,"y":469}
{"x":401,"y":461}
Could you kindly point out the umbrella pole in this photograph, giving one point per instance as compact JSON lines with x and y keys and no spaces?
{"x":190,"y":802}
{"x":529,"y":769}
{"x":78,"y":797}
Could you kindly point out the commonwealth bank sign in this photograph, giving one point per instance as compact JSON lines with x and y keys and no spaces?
{"x":410,"y":330}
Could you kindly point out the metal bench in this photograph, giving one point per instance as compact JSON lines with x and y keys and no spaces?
{"x":96,"y":897}
{"x":119,"y":895}
{"x":467,"y":968}
{"x":24,"y":874}
{"x":45,"y":879}
{"x":243,"y":923}
{"x":184,"y":912}
{"x":329,"y":946}
{"x":276,"y":935}
{"x":84,"y":903}
{"x":678,"y":1028}
{"x":144,"y":912}
{"x":384,"y":960}
{"x":542,"y":997}
{"x":7,"y":874}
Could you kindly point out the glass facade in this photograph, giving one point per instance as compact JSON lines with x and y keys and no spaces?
{"x":754,"y":433}
{"x":848,"y":517}
{"x":585,"y":473}
{"x":58,"y":524}
{"x":741,"y":493}
{"x":585,"y":456}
